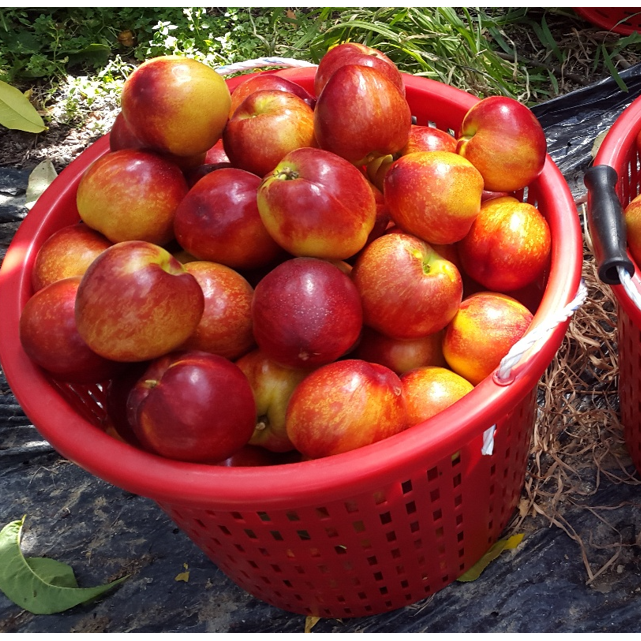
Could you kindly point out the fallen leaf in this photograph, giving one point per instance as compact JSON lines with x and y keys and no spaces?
{"x":40,"y":585}
{"x":16,"y":112}
{"x":310,"y":622}
{"x":504,"y":544}
{"x":183,"y":576}
{"x":39,"y":179}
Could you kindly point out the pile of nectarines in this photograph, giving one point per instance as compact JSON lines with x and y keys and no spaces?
{"x":271,"y":275}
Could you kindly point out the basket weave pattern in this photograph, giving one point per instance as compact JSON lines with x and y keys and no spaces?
{"x":373,"y":552}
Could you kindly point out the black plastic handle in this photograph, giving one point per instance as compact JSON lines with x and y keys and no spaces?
{"x":607,"y":227}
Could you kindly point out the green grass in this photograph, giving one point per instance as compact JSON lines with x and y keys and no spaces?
{"x":477,"y":50}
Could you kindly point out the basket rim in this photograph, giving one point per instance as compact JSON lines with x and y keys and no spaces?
{"x":599,"y":16}
{"x":304,"y":483}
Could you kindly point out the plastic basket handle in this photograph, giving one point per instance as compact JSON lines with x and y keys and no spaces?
{"x":260,"y":63}
{"x":607,"y":227}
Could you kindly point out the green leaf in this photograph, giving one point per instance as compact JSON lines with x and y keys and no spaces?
{"x":52,"y":571}
{"x":504,"y":544}
{"x":96,"y":54}
{"x":615,"y":74}
{"x":39,"y":585}
{"x":16,"y":112}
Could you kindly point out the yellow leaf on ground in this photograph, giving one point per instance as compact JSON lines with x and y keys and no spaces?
{"x":183,"y":576}
{"x":504,"y":544}
{"x":310,"y":622}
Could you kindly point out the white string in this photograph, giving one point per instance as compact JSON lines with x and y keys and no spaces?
{"x":257,"y":63}
{"x":628,"y":285}
{"x":487,"y":448}
{"x":510,"y":360}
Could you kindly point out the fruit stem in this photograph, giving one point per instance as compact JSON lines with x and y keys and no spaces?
{"x":286,"y":173}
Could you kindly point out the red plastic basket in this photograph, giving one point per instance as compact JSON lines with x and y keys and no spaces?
{"x":621,"y":20}
{"x":619,"y":151}
{"x":355,"y":534}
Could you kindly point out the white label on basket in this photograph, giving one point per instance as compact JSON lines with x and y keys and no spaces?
{"x":488,"y":441}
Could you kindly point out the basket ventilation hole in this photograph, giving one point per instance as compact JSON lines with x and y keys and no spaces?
{"x":263,"y":516}
{"x":456,"y":481}
{"x":432,"y":474}
{"x":303,"y":535}
{"x":201,"y":524}
{"x":391,"y":537}
{"x":406,"y":487}
{"x":386,"y":518}
{"x":379,"y":498}
{"x":378,"y":576}
{"x":340,"y":549}
{"x":224,"y":530}
{"x":414,"y":527}
{"x":437,"y":515}
{"x":435,"y":495}
{"x":456,"y":459}
{"x":276,"y":568}
{"x":405,"y":584}
{"x":292,"y":516}
{"x":322,"y":513}
{"x":383,"y":590}
{"x":238,"y":516}
{"x":263,"y":551}
{"x":372,"y":560}
{"x":277,"y":535}
{"x":366,"y":544}
{"x":251,"y":534}
{"x":331,"y":532}
{"x":358,"y":526}
{"x":362,"y":596}
{"x":239,"y":547}
{"x":351,"y":507}
{"x":458,"y":500}
{"x":410,"y":508}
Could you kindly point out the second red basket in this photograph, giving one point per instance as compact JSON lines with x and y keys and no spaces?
{"x":616,"y":175}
